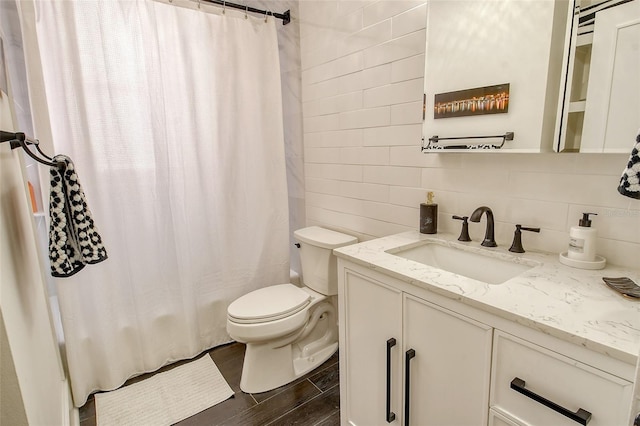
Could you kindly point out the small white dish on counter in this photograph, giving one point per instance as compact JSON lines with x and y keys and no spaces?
{"x":599,"y":263}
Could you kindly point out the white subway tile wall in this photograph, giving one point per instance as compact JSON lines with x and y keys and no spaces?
{"x":362,"y":84}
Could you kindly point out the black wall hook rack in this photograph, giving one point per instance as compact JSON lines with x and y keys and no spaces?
{"x":433,"y":142}
{"x":20,"y":140}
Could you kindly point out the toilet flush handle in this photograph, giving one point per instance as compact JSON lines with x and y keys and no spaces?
{"x":297,"y":245}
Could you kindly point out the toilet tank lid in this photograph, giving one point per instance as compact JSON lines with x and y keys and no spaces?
{"x":325,"y":238}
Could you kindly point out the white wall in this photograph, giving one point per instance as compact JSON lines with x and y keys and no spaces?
{"x":31,"y":363}
{"x":11,"y":404}
{"x":23,"y":303}
{"x":362,"y":79}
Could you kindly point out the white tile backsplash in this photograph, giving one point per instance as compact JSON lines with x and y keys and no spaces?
{"x":407,"y":69}
{"x":323,"y":89}
{"x":322,"y":155}
{"x":349,"y":22}
{"x":393,"y":135}
{"x":400,"y":176}
{"x":366,"y":37}
{"x":365,"y":173}
{"x":334,"y":138}
{"x":348,"y":7}
{"x":396,"y":93}
{"x":372,"y":117}
{"x":321,"y":50}
{"x":409,"y":113}
{"x":376,"y":76}
{"x":322,"y":186}
{"x":409,"y":21}
{"x":332,"y":69}
{"x":365,"y":191}
{"x":334,"y":171}
{"x":321,"y":123}
{"x":368,"y":155}
{"x":346,"y":102}
{"x":348,"y":83}
{"x":393,"y":50}
{"x":381,"y":10}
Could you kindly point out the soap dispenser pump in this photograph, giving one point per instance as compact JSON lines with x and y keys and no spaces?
{"x":582,"y":240}
{"x":429,"y":216}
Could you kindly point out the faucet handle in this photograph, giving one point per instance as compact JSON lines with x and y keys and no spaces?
{"x":516,"y":246}
{"x":464,"y":233}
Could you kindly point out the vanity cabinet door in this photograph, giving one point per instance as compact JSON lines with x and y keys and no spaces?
{"x":370,"y":322}
{"x":450,"y":371}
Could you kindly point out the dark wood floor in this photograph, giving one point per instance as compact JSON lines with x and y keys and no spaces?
{"x":312,"y":400}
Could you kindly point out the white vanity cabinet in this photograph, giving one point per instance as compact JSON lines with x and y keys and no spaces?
{"x":409,"y":356}
{"x":405,"y":361}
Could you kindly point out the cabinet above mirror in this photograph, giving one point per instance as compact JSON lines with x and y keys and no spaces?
{"x":570,"y":68}
{"x":480,"y":51}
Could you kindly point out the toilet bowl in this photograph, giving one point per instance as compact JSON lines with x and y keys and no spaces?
{"x":289,"y":330}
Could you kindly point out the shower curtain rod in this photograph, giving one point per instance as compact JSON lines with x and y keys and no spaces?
{"x":286,"y":16}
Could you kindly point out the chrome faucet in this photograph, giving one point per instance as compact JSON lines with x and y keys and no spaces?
{"x":489,"y":239}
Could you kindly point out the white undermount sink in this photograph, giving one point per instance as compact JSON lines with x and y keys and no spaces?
{"x":471,"y":264}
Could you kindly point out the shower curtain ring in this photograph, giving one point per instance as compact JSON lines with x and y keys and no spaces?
{"x":246,"y":10}
{"x":198,"y":4}
{"x":265,"y":16}
{"x":224,"y":7}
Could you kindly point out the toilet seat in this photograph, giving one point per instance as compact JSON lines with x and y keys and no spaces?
{"x":268,"y":304}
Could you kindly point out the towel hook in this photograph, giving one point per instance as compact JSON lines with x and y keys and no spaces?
{"x":52,"y":163}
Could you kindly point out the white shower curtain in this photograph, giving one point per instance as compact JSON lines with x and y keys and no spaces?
{"x":173,"y":117}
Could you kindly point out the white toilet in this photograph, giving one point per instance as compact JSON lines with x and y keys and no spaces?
{"x":290,"y":330}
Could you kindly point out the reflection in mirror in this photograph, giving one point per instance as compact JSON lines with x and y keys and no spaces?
{"x":600,"y":103}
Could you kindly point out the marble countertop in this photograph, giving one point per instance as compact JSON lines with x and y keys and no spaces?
{"x":569,"y":303}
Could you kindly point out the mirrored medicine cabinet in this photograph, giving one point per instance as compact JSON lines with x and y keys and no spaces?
{"x":558,"y":75}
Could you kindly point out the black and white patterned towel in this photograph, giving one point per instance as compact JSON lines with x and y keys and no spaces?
{"x":630,"y":180}
{"x":73,"y":238}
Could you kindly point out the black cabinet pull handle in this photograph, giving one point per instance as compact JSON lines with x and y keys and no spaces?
{"x":391,"y":416}
{"x":581,"y":416}
{"x":407,"y":387}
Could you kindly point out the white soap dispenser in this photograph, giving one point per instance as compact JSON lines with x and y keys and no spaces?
{"x":582,"y":240}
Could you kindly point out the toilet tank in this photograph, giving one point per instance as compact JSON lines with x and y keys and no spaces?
{"x":319,"y":265}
